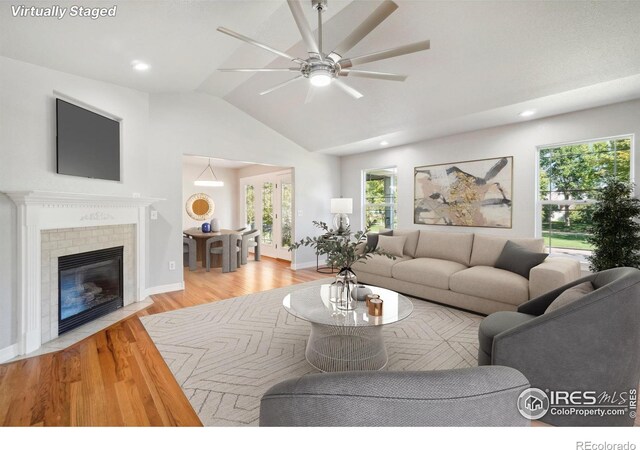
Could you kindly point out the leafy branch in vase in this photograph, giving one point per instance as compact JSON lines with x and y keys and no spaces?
{"x":342,"y":249}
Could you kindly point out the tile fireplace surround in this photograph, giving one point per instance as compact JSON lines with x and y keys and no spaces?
{"x":53,"y":224}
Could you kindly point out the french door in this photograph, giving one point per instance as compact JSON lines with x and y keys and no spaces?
{"x":268,"y":207}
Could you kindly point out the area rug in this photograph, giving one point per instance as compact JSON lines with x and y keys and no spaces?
{"x":226,"y":354}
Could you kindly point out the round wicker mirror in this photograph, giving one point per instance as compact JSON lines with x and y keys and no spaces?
{"x":200,"y":206}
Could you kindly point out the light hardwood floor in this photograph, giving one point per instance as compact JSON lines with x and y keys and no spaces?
{"x":117,"y":377}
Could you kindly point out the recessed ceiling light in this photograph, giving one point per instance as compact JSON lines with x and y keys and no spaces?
{"x":140,"y":66}
{"x":383,"y":143}
{"x":527,"y":113}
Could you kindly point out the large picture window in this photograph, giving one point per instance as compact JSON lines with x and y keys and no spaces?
{"x":569,"y":177}
{"x":380,"y":198}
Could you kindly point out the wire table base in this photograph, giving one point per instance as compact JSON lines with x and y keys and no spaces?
{"x":341,"y":348}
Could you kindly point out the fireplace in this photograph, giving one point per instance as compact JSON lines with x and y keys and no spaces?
{"x":90,"y":285}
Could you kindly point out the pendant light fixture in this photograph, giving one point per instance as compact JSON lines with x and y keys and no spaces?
{"x":204,"y":179}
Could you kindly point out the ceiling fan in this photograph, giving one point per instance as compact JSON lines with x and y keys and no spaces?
{"x":322,"y":69}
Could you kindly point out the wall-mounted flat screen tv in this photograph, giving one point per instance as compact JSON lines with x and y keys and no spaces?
{"x":88,"y":144}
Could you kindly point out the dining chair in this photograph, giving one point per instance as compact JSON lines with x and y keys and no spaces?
{"x":222,"y":250}
{"x":235,"y":251}
{"x":189,"y":249}
{"x":250,"y":238}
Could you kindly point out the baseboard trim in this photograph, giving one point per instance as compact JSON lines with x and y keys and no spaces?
{"x":8,"y":353}
{"x":307,"y":265}
{"x":164,"y":288}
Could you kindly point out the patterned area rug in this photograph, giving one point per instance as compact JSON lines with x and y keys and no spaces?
{"x":226,"y":354}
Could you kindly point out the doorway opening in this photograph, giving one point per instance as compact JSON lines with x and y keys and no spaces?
{"x":241,"y":196}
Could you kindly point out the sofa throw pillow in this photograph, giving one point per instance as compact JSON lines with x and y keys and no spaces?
{"x":570,"y":295}
{"x":518,"y":259}
{"x":394,"y":245}
{"x":372,"y":238}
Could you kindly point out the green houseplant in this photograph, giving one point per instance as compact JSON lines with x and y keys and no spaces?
{"x":343,"y":250}
{"x":615,"y":231}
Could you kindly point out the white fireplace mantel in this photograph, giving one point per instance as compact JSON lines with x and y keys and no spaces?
{"x":45,"y":210}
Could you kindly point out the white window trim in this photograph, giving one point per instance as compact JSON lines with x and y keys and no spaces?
{"x":363,"y":202}
{"x":540,"y":203}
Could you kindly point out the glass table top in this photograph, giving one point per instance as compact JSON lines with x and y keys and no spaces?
{"x":313,"y":305}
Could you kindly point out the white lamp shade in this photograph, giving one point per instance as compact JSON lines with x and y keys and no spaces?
{"x":209,"y":183}
{"x":341,"y":206}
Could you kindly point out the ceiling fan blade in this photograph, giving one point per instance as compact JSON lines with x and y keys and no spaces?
{"x":385,"y":54}
{"x":278,"y":86}
{"x":348,"y":89}
{"x":257,"y":44}
{"x":290,"y":69}
{"x":376,"y":18}
{"x":375,"y":75}
{"x":303,"y":26}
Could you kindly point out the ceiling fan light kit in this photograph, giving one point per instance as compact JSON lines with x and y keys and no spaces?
{"x":324,"y":69}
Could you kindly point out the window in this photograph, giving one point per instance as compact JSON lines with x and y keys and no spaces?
{"x":569,"y":176}
{"x":249,"y":206}
{"x":380,"y":198}
{"x":286,"y":204}
{"x":267,"y":212}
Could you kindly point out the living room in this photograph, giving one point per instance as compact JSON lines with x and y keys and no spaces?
{"x":495,"y":127}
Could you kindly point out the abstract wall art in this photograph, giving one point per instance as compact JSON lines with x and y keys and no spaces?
{"x":465,"y":194}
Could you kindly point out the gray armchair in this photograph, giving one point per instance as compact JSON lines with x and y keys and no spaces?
{"x":250,"y":239}
{"x":592,"y":344}
{"x":189,"y":250}
{"x":222,"y":250}
{"x":479,"y":396}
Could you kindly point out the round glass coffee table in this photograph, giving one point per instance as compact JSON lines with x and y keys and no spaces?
{"x":345,"y":340}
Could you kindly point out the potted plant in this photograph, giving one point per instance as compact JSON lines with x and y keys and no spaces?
{"x":615,"y":231}
{"x":343,"y":250}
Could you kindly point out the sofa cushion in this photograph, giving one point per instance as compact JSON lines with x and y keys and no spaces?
{"x":411,"y":242}
{"x":372,"y":238}
{"x":570,"y":295}
{"x":487,"y":249}
{"x":378,"y":265}
{"x":517,"y":259}
{"x":496,"y":323}
{"x":489,"y":282}
{"x":440,"y":245}
{"x":427,"y":271}
{"x":394,"y":245}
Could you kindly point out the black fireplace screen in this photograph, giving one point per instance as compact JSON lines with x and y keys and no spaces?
{"x":89,"y":286}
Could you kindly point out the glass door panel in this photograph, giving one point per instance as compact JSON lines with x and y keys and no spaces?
{"x":267,"y":213}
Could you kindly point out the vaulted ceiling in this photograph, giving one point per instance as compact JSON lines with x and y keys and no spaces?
{"x":488,"y":61}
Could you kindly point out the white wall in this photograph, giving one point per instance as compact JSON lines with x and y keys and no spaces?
{"x":28,"y":150}
{"x":225,"y":198}
{"x":258,"y":169}
{"x":518,"y":140}
{"x":208,"y":126}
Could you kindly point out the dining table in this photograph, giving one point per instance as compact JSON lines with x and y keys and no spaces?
{"x":201,"y":242}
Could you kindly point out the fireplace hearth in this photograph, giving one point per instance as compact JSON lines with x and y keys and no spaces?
{"x":90,"y":285}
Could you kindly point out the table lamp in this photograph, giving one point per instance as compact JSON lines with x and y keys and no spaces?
{"x":341,"y":207}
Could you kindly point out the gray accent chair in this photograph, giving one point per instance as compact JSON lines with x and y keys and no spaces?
{"x":235,"y":251}
{"x":592,"y":344}
{"x":479,"y":396}
{"x":222,"y":250}
{"x":250,"y":238}
{"x":189,"y":250}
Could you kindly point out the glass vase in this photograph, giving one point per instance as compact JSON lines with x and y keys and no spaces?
{"x":346,"y":281}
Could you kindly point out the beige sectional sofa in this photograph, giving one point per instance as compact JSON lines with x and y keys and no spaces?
{"x":457,"y":269}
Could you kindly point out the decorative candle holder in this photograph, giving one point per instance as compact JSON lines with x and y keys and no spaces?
{"x":369,"y":297}
{"x":375,"y":306}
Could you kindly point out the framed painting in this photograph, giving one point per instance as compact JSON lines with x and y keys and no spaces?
{"x":465,"y":194}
